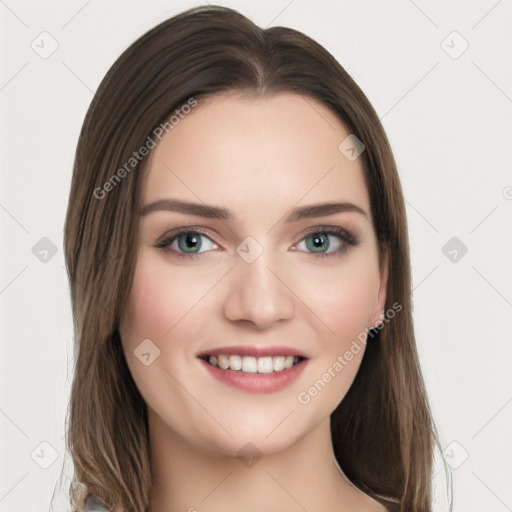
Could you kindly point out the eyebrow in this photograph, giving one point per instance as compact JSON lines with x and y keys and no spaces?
{"x":216,"y":212}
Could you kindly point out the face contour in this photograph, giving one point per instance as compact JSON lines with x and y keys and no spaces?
{"x":263,"y":283}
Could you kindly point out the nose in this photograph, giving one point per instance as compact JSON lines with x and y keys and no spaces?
{"x":258,"y":293}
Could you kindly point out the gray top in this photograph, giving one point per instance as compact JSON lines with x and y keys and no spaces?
{"x":92,"y":503}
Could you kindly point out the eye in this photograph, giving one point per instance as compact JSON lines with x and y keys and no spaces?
{"x":187,"y":243}
{"x":319,"y":242}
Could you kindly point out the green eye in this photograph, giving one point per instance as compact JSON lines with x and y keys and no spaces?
{"x":315,"y":242}
{"x":324,"y":241}
{"x":319,"y":242}
{"x":187,"y":243}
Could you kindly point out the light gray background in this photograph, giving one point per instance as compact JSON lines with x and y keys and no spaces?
{"x":448,"y":117}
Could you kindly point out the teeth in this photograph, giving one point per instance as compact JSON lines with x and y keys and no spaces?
{"x":223,"y":362}
{"x":265,"y":365}
{"x":249,"y":364}
{"x":279,"y":363}
{"x":235,"y":362}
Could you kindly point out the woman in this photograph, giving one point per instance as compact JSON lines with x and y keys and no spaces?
{"x":276,"y":369}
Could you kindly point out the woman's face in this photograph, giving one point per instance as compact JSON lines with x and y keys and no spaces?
{"x":271,"y":279}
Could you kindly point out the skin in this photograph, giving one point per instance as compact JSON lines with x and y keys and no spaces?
{"x":259,"y":157}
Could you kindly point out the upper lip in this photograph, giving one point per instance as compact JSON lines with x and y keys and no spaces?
{"x":254,"y":351}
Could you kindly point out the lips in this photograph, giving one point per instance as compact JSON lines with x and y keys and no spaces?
{"x":247,"y":359}
{"x":254,"y":369}
{"x":254,"y":351}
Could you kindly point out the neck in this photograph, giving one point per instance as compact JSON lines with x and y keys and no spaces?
{"x":303,"y":476}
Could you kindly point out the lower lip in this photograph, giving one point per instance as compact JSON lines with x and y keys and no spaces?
{"x":257,"y":382}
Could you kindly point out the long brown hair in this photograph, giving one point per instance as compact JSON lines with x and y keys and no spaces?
{"x":382,"y":432}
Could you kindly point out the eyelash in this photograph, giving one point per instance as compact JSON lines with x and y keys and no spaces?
{"x":346,"y":236}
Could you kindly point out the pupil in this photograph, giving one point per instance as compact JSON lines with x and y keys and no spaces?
{"x":318,"y":241}
{"x":190,"y":239}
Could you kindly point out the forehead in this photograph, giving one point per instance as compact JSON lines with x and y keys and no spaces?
{"x":246,"y":152}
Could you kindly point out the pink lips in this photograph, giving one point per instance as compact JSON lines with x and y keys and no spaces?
{"x":244,"y":350}
{"x":255,"y":382}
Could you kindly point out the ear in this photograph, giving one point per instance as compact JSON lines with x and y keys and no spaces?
{"x":380,"y":303}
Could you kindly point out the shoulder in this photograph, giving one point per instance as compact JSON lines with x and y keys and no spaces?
{"x":92,"y":503}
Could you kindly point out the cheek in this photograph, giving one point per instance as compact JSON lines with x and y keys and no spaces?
{"x":164,"y":306}
{"x":345,"y":309}
{"x":167,"y":307}
{"x":157,"y":304}
{"x":154,"y":304}
{"x":344,"y":300}
{"x":161,"y":301}
{"x":348,"y":307}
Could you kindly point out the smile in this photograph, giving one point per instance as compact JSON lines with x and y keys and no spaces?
{"x":250,"y":364}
